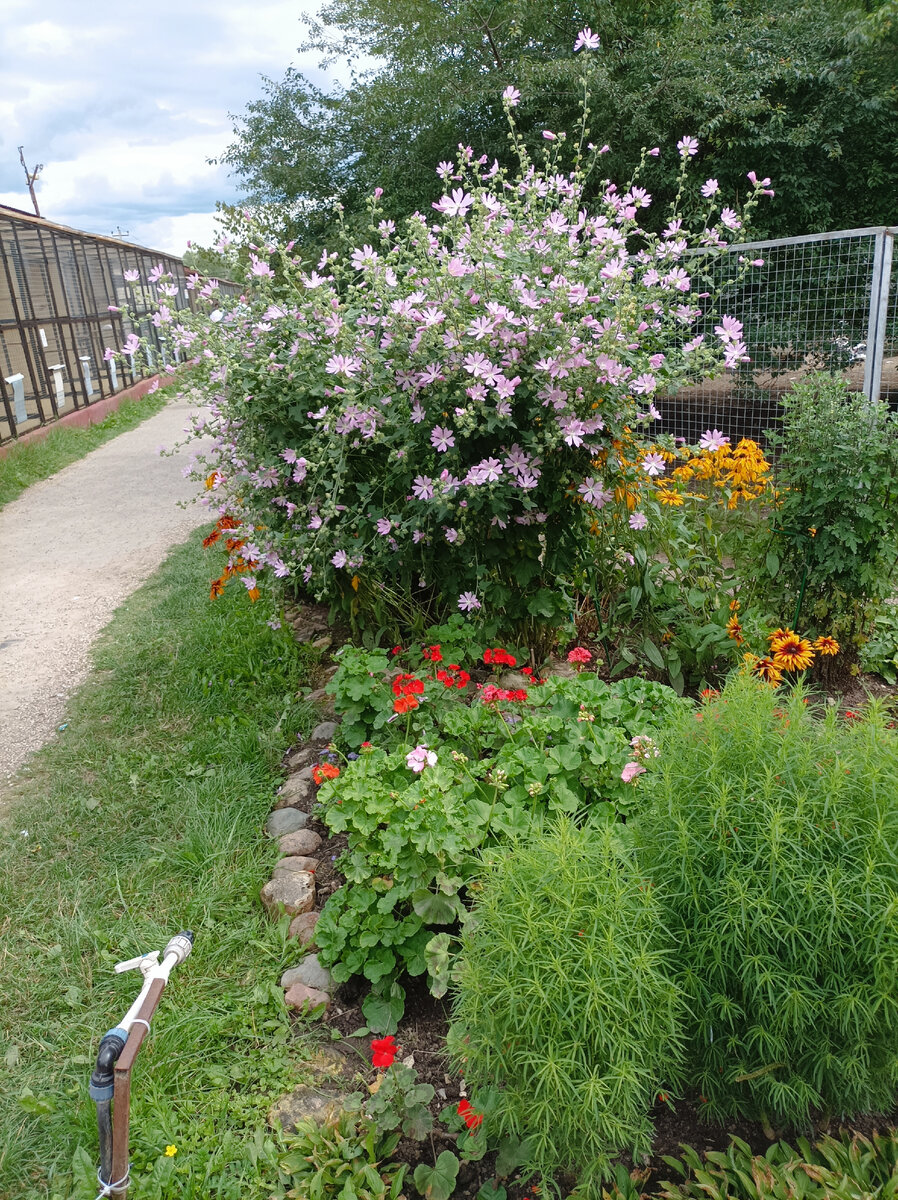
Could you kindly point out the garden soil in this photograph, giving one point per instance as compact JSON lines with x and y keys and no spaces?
{"x":73,"y":547}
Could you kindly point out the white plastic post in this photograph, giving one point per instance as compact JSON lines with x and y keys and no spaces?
{"x":43,"y":338}
{"x":17,"y":383}
{"x":59,"y":385}
{"x":84,"y":359}
{"x":113,"y":374}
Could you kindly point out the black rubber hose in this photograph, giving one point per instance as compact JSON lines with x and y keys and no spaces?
{"x":104,"y":1126}
{"x":102,"y":1083}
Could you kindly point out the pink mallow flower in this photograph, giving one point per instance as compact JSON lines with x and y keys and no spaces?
{"x":631,"y":771}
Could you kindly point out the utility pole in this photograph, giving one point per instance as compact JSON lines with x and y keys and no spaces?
{"x":32,"y":177}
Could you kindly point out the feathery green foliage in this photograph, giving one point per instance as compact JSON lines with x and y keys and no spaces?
{"x":770,"y":840}
{"x":565,"y":1020}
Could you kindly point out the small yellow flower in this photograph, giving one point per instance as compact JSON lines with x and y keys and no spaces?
{"x":171,"y":1151}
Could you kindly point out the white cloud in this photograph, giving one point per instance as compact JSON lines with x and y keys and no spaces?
{"x":125,"y":103}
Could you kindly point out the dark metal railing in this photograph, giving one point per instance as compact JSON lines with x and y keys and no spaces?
{"x":62,"y":293}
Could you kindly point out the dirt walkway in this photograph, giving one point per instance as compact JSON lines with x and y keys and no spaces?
{"x":72,"y":549}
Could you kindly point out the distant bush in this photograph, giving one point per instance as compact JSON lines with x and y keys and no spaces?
{"x":836,"y":535}
{"x":565,"y":1021}
{"x":770,"y":841}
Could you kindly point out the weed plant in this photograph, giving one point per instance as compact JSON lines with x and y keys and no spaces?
{"x":565,"y":1020}
{"x":140,"y":818}
{"x":846,"y":1168}
{"x":770,"y":840}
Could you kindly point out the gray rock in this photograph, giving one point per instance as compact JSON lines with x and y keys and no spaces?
{"x":297,"y":789}
{"x":306,"y":1104}
{"x":296,"y":862}
{"x":304,"y":998}
{"x":290,"y":892}
{"x":303,"y":756}
{"x":323,"y":700}
{"x":514,"y":679}
{"x":303,"y":841}
{"x":561,"y":669}
{"x":303,"y":927}
{"x":286,"y":820}
{"x":322,"y":643}
{"x":324,"y":732}
{"x":311,"y":973}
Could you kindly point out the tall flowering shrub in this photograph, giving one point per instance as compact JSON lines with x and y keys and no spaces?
{"x":432,"y":416}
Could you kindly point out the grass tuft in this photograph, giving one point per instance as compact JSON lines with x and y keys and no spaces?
{"x":143,"y":817}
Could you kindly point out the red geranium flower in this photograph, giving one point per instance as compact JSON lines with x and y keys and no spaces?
{"x":404,"y":704}
{"x":384,"y":1051}
{"x":471,"y":1118}
{"x":499,"y":657}
{"x":324,"y":771}
{"x":432,"y":653}
{"x":407,"y":685}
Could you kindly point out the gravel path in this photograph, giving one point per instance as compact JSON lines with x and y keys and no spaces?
{"x":72,"y":549}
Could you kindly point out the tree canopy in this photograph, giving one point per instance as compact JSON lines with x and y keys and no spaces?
{"x":804,"y":93}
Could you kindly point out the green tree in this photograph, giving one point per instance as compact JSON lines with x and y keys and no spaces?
{"x":806,"y":94}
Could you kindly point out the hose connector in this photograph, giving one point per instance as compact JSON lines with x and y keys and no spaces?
{"x":103,"y":1078}
{"x":181,"y":945}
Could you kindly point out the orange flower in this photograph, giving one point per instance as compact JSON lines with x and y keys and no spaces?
{"x":779,"y":635}
{"x":826,"y":645}
{"x":793,"y":653}
{"x":211,"y":538}
{"x":734,"y":630}
{"x":404,"y":704}
{"x":218,"y":586}
{"x":769,"y":670}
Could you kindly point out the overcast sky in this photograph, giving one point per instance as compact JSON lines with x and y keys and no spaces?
{"x":124,"y":102}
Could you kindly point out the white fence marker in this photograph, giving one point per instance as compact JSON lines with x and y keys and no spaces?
{"x":59,"y":385}
{"x":17,"y":383}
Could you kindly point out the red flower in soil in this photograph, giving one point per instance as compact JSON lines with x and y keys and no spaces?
{"x":396,"y":650}
{"x":710,"y":693}
{"x":324,"y":771}
{"x":384,"y":1051}
{"x":471,"y":1118}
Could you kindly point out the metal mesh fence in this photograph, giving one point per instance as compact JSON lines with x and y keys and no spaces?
{"x":818,"y":303}
{"x":59,"y":290}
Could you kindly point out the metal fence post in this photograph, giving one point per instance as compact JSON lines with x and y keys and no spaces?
{"x":879,"y":307}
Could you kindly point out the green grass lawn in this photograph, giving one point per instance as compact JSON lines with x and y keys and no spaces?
{"x":141,"y":818}
{"x":29,"y":462}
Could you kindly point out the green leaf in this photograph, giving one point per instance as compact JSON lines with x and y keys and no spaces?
{"x":36,"y":1106}
{"x":513,"y":1153}
{"x":492,"y":1190}
{"x":653,"y":654}
{"x":437,"y":1182}
{"x":383,"y":1013}
{"x":437,"y":956}
{"x":773,"y":564}
{"x":436,"y":909}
